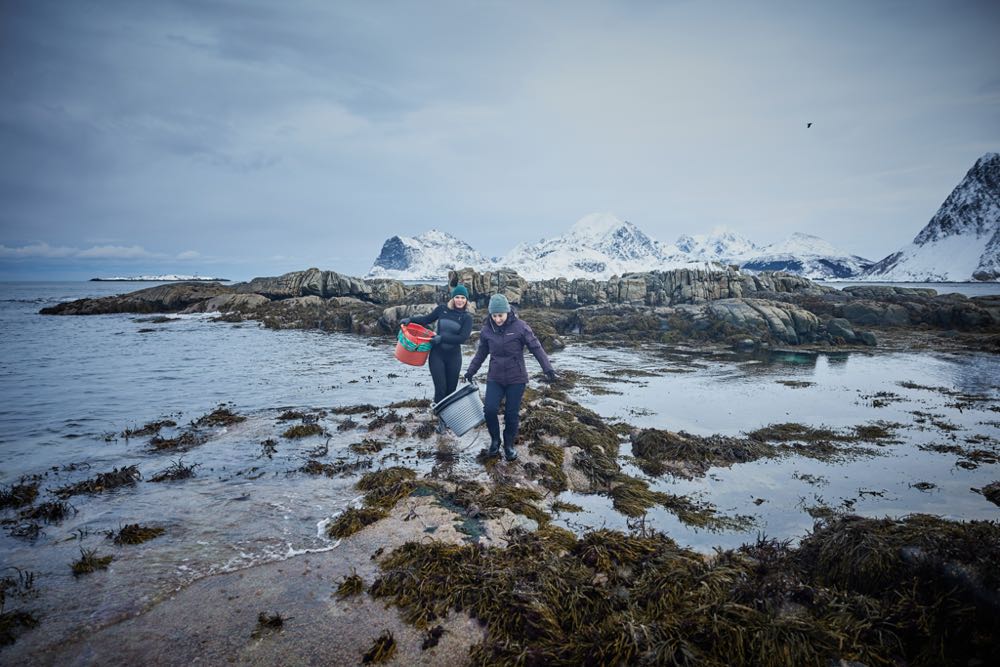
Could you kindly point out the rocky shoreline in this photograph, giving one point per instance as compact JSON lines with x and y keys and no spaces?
{"x":440,"y":565}
{"x":452,"y":567}
{"x":725,"y":307}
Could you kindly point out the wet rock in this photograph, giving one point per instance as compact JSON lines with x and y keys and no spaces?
{"x":392,"y":315}
{"x":992,"y":492}
{"x":783,"y":322}
{"x":874,"y":313}
{"x":868,"y":338}
{"x":228,"y":303}
{"x":838,"y":327}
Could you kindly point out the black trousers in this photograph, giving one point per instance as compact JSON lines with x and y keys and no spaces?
{"x":445,"y":366}
{"x":511,"y":395}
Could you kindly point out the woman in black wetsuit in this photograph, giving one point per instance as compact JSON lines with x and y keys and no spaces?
{"x":454,"y":328}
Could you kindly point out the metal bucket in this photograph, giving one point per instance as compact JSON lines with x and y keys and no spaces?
{"x":462,"y":409}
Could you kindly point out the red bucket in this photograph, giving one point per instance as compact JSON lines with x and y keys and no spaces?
{"x":413,"y":344}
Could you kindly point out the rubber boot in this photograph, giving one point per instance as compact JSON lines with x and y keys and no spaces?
{"x":494,"y":447}
{"x":508,"y":450}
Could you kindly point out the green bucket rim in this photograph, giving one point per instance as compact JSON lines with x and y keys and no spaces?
{"x":411,"y":346}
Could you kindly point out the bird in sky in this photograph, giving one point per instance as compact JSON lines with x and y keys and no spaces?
{"x":808,"y":125}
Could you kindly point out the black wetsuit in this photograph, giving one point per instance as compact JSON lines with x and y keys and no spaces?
{"x":445,"y":360}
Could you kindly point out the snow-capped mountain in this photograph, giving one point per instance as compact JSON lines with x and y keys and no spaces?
{"x":808,"y":256}
{"x":599,"y":245}
{"x":720,"y":245}
{"x":169,"y":277}
{"x":962,"y":240}
{"x":428,"y":256}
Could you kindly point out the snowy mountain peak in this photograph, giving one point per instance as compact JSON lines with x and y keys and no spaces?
{"x":721,"y":244}
{"x":803,"y":244}
{"x":962,"y":241}
{"x":809,"y":256}
{"x":597,"y":226}
{"x":598,"y":245}
{"x":428,"y":256}
{"x":973,"y":207}
{"x":435,"y":236}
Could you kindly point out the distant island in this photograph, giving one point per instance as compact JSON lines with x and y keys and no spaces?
{"x":164,"y":278}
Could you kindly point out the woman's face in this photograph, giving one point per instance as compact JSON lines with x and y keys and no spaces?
{"x":499,"y":318}
{"x":460,"y":301}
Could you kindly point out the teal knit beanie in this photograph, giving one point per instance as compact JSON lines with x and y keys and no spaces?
{"x":499,"y":304}
{"x":460,"y":290}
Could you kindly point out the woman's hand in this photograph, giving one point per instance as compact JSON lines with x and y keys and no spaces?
{"x":550,"y":376}
{"x":436,"y":339}
{"x":467,"y":377}
{"x":403,"y":322}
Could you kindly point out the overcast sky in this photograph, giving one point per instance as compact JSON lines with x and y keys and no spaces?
{"x":244,"y":137}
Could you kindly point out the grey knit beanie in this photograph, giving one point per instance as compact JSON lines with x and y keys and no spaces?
{"x":499,"y":304}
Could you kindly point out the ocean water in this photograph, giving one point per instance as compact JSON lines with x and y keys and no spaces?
{"x":70,"y":387}
{"x":968,"y":289}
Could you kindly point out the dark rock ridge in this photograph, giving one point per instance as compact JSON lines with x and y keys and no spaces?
{"x":658,"y":305}
{"x":395,"y":255}
{"x":160,"y":299}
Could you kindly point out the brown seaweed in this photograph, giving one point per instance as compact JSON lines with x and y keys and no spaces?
{"x":382,"y":650}
{"x":221,"y":416}
{"x":90,"y":562}
{"x":133,"y":533}
{"x":302,"y":431}
{"x":105,"y":481}
{"x":855,"y":591}
{"x":18,"y":495}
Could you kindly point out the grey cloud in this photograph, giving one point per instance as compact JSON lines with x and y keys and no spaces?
{"x":227,"y":127}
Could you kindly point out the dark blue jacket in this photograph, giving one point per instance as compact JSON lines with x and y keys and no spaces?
{"x":505,"y":347}
{"x":454,"y":326}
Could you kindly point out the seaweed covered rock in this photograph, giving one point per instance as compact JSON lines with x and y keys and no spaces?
{"x":936,"y":580}
{"x":614,"y":598}
{"x":552,"y":423}
{"x":992,"y":492}
{"x":659,"y":451}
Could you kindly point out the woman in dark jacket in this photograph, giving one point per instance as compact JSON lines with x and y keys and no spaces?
{"x":503,"y":338}
{"x":454,"y":328}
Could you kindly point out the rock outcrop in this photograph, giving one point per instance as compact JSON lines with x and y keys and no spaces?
{"x":653,"y":288}
{"x":724,"y":305}
{"x":880,"y":306}
{"x":160,"y":299}
{"x":770,"y":321}
{"x":325,"y":284}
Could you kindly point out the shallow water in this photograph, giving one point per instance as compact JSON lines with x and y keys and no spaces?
{"x":730,"y":394}
{"x":968,"y":289}
{"x":70,"y":386}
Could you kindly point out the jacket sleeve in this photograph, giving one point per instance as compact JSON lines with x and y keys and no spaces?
{"x":462,"y":335}
{"x":481,"y":352}
{"x":424,"y":320}
{"x":533,"y":344}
